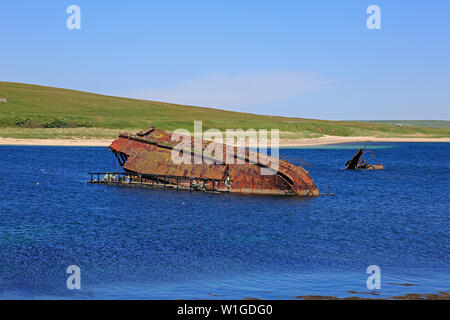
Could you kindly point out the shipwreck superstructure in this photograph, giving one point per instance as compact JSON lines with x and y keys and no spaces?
{"x":358,"y":162}
{"x":147,"y":159}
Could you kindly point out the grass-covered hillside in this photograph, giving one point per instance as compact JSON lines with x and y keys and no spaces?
{"x":33,"y":111}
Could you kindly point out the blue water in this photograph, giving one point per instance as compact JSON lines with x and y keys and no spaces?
{"x":161,"y":244}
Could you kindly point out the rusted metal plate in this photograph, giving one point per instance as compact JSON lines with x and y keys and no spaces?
{"x":359,"y":162}
{"x":150,"y":153}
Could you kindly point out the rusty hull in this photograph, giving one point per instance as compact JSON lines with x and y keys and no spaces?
{"x":149,"y":152}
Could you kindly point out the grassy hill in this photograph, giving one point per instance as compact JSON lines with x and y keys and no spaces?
{"x":33,"y":111}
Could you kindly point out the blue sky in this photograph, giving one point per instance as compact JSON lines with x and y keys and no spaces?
{"x":314,"y":59}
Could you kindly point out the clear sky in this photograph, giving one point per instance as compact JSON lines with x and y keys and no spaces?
{"x":314,"y":59}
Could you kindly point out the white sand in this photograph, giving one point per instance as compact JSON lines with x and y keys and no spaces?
{"x":283,"y":142}
{"x":334,"y":140}
{"x":56,"y":142}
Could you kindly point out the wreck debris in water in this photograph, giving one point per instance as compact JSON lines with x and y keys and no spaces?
{"x":359,"y":162}
{"x":146,"y":159}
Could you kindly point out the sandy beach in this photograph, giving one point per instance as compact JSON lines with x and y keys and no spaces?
{"x":283,"y":142}
{"x":336,"y":140}
{"x":56,"y":142}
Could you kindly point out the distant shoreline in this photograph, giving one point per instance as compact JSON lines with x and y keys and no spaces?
{"x":325,"y":140}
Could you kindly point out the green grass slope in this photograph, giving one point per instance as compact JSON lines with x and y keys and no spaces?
{"x":45,"y":112}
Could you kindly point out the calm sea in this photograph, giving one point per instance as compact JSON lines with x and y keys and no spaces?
{"x":160,"y":244}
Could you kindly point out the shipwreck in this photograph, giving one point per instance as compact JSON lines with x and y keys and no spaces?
{"x":146,"y":158}
{"x":359,"y":162}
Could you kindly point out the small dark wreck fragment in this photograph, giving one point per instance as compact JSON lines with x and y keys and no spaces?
{"x":358,"y":162}
{"x":146,"y":158}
